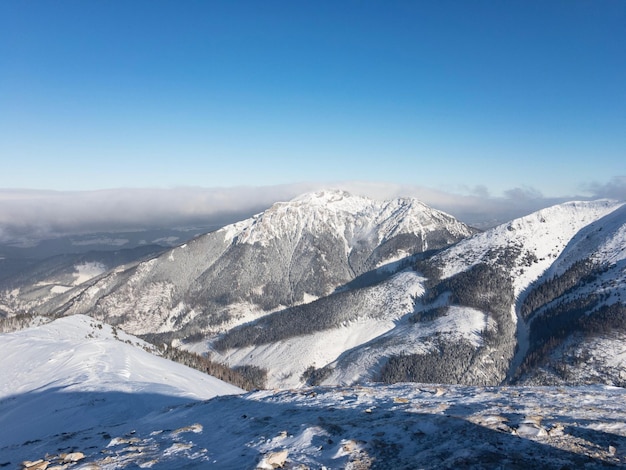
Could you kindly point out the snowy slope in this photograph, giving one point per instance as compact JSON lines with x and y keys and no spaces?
{"x":583,"y":359}
{"x":603,"y":242}
{"x":76,"y":385}
{"x":539,"y":239}
{"x":375,"y":325}
{"x":323,"y":289}
{"x":40,"y":281}
{"x":75,"y":374}
{"x":574,"y":314}
{"x":367,"y":427}
{"x":470,"y":323}
{"x":524,"y":248}
{"x":380,"y":309}
{"x":250,"y":278}
{"x":364,"y":363}
{"x":290,"y":254}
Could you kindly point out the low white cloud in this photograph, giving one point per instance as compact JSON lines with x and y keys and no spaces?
{"x":614,"y":189}
{"x":475,"y":206}
{"x":101,"y":241}
{"x":36,"y":215}
{"x":27,"y":215}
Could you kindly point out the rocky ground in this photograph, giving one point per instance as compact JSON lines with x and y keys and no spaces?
{"x":398,"y":426}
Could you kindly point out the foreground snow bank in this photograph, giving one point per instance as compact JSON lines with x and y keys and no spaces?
{"x":375,"y":426}
{"x":75,"y":374}
{"x":80,"y":354}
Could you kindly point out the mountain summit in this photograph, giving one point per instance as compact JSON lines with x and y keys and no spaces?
{"x":356,"y":219}
{"x":290,"y":254}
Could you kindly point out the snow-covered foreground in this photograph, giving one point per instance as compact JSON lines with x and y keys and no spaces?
{"x":75,"y":395}
{"x":77,"y":375}
{"x":389,"y":427}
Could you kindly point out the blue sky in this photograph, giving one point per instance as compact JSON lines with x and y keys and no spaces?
{"x":469,"y":97}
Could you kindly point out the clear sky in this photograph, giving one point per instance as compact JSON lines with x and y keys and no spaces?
{"x":467,"y":96}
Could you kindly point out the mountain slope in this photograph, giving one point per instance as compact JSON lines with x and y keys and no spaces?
{"x":528,"y":246}
{"x":291,"y":254}
{"x":77,"y":374}
{"x":79,"y":394}
{"x":578,"y":305}
{"x":292,"y":343}
{"x":335,"y":289}
{"x":467,"y":327}
{"x":39,"y":281}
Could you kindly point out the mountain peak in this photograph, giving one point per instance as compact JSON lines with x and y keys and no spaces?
{"x":348,"y":217}
{"x":324,"y":195}
{"x":334,"y":199}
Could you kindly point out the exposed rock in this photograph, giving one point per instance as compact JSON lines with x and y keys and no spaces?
{"x":275,"y":459}
{"x":35,"y":464}
{"x":73,"y":457}
{"x":557,"y":430}
{"x":531,"y":427}
{"x":197,"y":428}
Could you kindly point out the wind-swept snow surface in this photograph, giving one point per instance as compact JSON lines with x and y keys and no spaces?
{"x":402,"y":426}
{"x":76,"y":374}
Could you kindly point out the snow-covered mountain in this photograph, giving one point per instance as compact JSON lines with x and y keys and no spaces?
{"x":336,"y":289}
{"x":454,"y":319}
{"x":530,"y":245}
{"x":518,"y":273}
{"x":291,"y":254}
{"x":36,"y":282}
{"x":581,"y":301}
{"x":75,"y":395}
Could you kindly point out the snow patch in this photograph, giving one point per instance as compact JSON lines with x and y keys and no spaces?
{"x":59,"y":289}
{"x":87,"y":271}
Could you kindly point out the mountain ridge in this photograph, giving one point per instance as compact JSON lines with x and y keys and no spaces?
{"x":255,"y":263}
{"x":333,"y":288}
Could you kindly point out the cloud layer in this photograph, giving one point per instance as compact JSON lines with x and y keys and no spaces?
{"x":37,"y":215}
